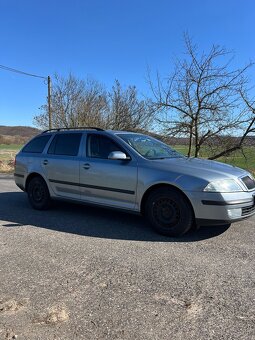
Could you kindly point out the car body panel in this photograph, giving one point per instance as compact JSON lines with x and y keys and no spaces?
{"x":63,"y":175}
{"x":124,"y":183}
{"x":110,"y":182}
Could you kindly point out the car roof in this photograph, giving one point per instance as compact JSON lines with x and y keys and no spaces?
{"x":82,"y":129}
{"x":72,"y":129}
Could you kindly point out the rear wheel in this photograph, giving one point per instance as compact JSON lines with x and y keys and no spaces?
{"x":169,"y":212}
{"x":38,"y":193}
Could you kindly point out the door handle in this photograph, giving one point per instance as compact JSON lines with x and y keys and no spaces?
{"x":86,"y":166}
{"x":45,"y":162}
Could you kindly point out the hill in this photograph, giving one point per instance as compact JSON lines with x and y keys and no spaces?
{"x":16,"y":134}
{"x":23,"y":131}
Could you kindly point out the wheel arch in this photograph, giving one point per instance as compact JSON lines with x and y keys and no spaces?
{"x":31,"y":176}
{"x":159,"y":186}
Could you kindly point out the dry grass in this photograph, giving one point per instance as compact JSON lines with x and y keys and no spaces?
{"x":11,"y":140}
{"x":7,"y":157}
{"x":6,"y":166}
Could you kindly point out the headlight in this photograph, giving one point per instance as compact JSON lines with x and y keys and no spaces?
{"x":224,"y":185}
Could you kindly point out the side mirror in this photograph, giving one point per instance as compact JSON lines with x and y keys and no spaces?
{"x":118,"y":155}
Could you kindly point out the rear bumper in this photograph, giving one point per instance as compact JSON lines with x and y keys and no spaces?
{"x":19,"y":180}
{"x":20,"y":186}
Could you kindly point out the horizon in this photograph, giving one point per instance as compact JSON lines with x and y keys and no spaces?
{"x":149,"y":131}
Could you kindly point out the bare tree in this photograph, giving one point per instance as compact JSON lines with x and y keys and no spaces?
{"x":233,"y":144}
{"x":201,"y":98}
{"x":93,"y":108}
{"x":126,"y":110}
{"x":75,"y":103}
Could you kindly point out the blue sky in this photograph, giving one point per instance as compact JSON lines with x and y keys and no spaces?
{"x":108,"y":40}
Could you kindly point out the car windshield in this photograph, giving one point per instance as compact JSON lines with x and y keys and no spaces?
{"x":149,"y":147}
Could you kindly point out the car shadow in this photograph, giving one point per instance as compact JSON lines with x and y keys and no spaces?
{"x":90,"y":221}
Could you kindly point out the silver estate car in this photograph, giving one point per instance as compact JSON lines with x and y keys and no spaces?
{"x":134,"y":172}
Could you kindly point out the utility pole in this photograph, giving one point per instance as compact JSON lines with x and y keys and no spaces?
{"x":49,"y":103}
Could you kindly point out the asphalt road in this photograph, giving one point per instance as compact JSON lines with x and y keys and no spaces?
{"x":76,"y":272}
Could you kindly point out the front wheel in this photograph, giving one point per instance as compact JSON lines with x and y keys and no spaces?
{"x":169,"y":212}
{"x":38,"y":193}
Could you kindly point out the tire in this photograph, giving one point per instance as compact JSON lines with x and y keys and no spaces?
{"x":38,"y":193}
{"x":169,"y":212}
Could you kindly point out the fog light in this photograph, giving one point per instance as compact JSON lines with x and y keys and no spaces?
{"x":235,"y":213}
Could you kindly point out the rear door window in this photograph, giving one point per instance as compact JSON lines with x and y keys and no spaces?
{"x":37,"y":144}
{"x":66,"y":144}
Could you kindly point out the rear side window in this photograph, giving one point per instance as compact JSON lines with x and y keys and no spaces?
{"x":66,"y":144}
{"x":37,"y":144}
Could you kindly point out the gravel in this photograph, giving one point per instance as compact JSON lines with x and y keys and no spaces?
{"x":78,"y":272}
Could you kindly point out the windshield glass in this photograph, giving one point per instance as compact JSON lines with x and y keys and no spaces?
{"x":149,"y":147}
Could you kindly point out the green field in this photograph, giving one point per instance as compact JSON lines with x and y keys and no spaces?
{"x":245,"y":161}
{"x":10,"y":148}
{"x":15,"y":147}
{"x":9,"y":151}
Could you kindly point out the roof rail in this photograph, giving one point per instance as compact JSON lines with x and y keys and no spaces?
{"x":75,"y":128}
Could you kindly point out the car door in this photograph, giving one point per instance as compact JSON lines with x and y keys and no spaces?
{"x":105,"y":181}
{"x":61,"y":165}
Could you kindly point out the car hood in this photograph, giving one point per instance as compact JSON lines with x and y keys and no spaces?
{"x":198,"y":167}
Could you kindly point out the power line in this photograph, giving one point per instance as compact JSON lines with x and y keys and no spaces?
{"x":6,"y":68}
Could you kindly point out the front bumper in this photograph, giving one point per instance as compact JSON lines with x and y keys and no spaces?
{"x":222,"y":208}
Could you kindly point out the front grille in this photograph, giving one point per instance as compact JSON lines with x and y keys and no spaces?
{"x":248,"y":210}
{"x":249,"y":182}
